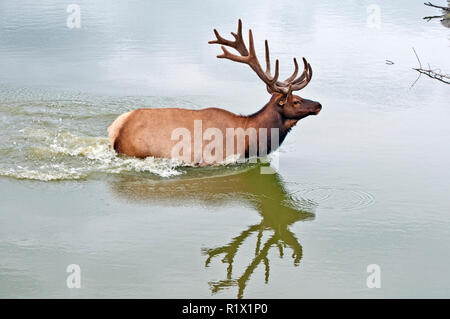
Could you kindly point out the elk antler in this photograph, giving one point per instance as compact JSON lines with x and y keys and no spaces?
{"x":249,"y":57}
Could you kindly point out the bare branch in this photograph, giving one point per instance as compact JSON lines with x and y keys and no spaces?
{"x":417,"y":57}
{"x":445,"y":78}
{"x":434,"y":74}
{"x":429,"y":4}
{"x":433,"y":17}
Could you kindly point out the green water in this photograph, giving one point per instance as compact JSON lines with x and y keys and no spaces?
{"x":364,"y":182}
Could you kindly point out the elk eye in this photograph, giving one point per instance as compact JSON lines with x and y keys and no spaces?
{"x":296,"y":102}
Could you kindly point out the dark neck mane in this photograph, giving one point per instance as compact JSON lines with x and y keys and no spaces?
{"x":268,"y":117}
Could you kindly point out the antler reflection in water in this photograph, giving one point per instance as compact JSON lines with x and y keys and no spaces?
{"x":278,"y":239}
{"x":230,"y":250}
{"x":275,"y":220}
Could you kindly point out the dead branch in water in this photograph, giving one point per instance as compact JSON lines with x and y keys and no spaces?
{"x":429,"y":4}
{"x":442,"y":16}
{"x":434,"y":74}
{"x":433,"y":17}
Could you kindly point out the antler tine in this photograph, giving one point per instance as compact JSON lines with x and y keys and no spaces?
{"x":239,"y":31}
{"x":273,"y":79}
{"x":293,"y":76}
{"x":267,"y":57}
{"x":254,"y":64}
{"x":220,"y":40}
{"x":238,"y":44}
{"x":227,"y":55}
{"x":304,"y":79}
{"x":304,"y":73}
{"x":310,"y":72}
{"x":277,"y":69}
{"x":251,"y":45}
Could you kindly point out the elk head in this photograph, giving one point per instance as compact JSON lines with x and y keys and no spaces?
{"x":291,"y":107}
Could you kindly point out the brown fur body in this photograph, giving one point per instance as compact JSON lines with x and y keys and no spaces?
{"x":148,"y":132}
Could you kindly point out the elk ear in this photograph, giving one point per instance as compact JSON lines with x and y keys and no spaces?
{"x":282,"y":100}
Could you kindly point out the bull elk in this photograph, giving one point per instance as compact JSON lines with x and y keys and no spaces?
{"x":156,"y":131}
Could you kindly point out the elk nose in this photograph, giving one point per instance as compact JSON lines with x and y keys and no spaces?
{"x":318,"y":109}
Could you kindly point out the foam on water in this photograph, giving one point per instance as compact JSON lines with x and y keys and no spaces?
{"x":46,"y":155}
{"x":68,"y":156}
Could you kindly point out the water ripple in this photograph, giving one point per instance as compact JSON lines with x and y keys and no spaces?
{"x":345,"y":198}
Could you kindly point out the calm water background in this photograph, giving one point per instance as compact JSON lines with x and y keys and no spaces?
{"x":365,"y":182}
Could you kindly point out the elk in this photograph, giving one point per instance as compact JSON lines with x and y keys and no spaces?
{"x":156,"y":131}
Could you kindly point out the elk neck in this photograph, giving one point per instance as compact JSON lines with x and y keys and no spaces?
{"x":269,"y":117}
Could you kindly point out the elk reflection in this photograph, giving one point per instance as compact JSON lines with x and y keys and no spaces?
{"x":265,"y":193}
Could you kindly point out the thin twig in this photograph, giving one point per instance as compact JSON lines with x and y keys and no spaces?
{"x":420,"y":64}
{"x":434,"y":74}
{"x":429,"y":4}
{"x":433,"y":17}
{"x":417,"y":57}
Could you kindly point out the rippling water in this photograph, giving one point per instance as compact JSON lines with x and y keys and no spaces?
{"x":50,"y":151}
{"x":365,"y":182}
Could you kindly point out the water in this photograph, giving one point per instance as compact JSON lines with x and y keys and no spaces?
{"x":365,"y":182}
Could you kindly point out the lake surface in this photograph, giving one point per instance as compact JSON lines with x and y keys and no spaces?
{"x":365,"y":182}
